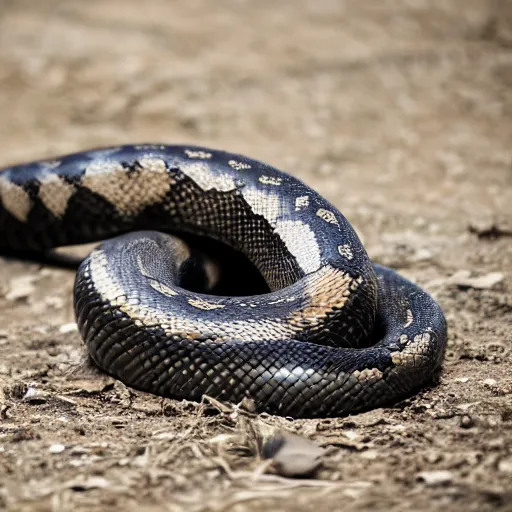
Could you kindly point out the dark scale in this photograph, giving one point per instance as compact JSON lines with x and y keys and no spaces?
{"x":226,"y":216}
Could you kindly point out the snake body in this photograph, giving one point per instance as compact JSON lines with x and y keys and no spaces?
{"x":334,"y":334}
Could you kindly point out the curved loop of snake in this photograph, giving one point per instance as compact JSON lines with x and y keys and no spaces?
{"x":333,"y":335}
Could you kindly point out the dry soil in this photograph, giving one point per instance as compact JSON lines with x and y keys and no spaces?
{"x":399,"y":112}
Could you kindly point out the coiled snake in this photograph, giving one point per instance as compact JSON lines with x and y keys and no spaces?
{"x":334,"y":334}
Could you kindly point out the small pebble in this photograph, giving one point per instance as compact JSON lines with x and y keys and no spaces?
{"x":56,"y":448}
{"x":35,"y":396}
{"x":248,"y":405}
{"x":464,"y":280}
{"x":370,"y":454}
{"x":85,"y":484}
{"x":55,"y":302}
{"x":466,"y":421}
{"x":293,"y":455}
{"x":435,"y":478}
{"x":433,"y":457}
{"x":67,"y":328}
{"x":422,"y":254}
{"x":505,"y":466}
{"x":21,"y":287}
{"x":350,"y":434}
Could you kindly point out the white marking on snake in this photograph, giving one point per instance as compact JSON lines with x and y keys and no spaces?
{"x":162,"y":288}
{"x":49,"y":164}
{"x":403,"y":340}
{"x":14,"y":199}
{"x":356,"y":282}
{"x":129,"y":192}
{"x":301,"y":202}
{"x":291,"y":298}
{"x":143,"y":315}
{"x":273,"y":302}
{"x":154,"y":283}
{"x":368,"y":375}
{"x":102,"y":153}
{"x":205,"y":305}
{"x":206,"y":179}
{"x":142,"y":267}
{"x":203,"y":155}
{"x":328,"y":216}
{"x":239,"y":166}
{"x":301,"y":242}
{"x":346,"y":251}
{"x":270,"y":180}
{"x":410,"y":318}
{"x":263,"y":203}
{"x":284,"y":374}
{"x":55,"y":193}
{"x":150,"y":147}
{"x":109,"y":289}
{"x":415,"y":351}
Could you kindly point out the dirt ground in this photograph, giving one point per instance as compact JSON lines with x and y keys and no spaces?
{"x":399,"y":112}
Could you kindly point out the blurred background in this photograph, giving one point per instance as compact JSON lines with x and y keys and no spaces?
{"x":405,"y":104}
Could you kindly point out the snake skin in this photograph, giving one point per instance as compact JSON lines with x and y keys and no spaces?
{"x":335,"y":334}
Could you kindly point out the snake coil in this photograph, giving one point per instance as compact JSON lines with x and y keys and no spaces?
{"x":334,"y":334}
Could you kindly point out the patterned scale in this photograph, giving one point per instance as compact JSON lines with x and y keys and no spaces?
{"x":335,"y":334}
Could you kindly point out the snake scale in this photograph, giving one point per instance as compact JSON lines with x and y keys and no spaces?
{"x":332,"y":334}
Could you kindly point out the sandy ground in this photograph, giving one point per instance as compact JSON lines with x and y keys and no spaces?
{"x":399,"y":112}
